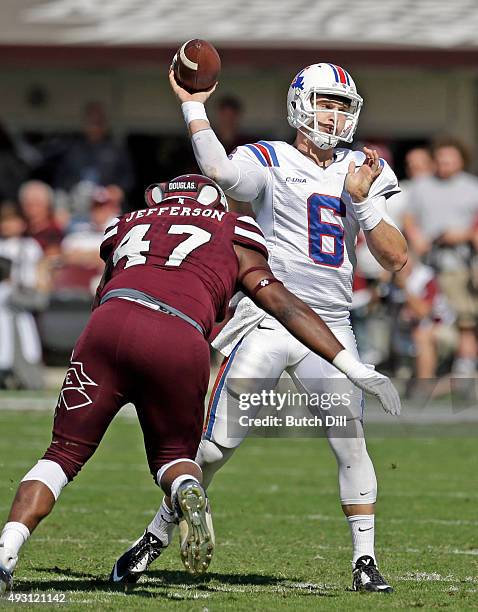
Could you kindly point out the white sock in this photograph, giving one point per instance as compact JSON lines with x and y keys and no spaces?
{"x":362,"y":528}
{"x":163,"y":524}
{"x":14,"y":535}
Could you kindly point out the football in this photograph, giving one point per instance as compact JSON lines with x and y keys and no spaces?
{"x":196,"y":65}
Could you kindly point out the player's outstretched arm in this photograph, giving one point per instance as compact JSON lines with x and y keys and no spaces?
{"x":243,"y":182}
{"x":302,"y":322}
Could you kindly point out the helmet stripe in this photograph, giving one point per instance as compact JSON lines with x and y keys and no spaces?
{"x":342,"y":76}
{"x":336,"y":74}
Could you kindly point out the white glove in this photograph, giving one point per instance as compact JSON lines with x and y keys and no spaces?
{"x":365,"y":377}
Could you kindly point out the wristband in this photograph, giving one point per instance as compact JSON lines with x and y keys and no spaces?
{"x":367,"y":215}
{"x":193,"y":110}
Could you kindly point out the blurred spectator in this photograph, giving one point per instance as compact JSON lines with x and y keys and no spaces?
{"x":424,"y":316}
{"x":82,"y":262}
{"x":36,"y":201}
{"x":418,"y":164}
{"x":23,"y":291}
{"x":24,"y":252}
{"x":227,"y":124}
{"x":439,"y":227}
{"x":13,"y":171}
{"x":94,"y":159}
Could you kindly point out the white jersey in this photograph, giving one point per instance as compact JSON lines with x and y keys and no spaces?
{"x":309,"y":221}
{"x":307,"y":217}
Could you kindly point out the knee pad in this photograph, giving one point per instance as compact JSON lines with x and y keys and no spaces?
{"x":211,"y":457}
{"x":50,"y":474}
{"x":357,"y":480}
{"x":209,"y":452}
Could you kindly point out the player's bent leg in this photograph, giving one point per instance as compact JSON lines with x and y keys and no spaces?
{"x":89,"y":399}
{"x":159,"y":533}
{"x":215,"y":448}
{"x":255,"y":364}
{"x":180,"y":480}
{"x":171,"y":418}
{"x":34,"y":500}
{"x":192,"y":509}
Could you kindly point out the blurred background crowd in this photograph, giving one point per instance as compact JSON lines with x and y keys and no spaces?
{"x":84,"y":129}
{"x":57,"y":196}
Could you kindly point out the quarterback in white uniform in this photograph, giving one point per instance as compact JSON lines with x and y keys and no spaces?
{"x":310,"y":199}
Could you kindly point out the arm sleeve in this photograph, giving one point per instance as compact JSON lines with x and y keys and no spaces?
{"x":109,"y":238}
{"x":239,"y":175}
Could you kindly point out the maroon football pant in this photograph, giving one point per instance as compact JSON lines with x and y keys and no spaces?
{"x":130,"y":353}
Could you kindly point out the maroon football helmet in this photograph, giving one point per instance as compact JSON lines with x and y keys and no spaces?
{"x":196,"y":186}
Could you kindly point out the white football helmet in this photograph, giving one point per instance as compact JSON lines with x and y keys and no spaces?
{"x":327,"y":80}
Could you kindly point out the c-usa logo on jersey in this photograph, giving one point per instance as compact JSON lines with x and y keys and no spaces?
{"x":295,"y":179}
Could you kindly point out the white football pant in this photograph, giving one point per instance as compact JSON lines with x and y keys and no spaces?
{"x":263,"y":355}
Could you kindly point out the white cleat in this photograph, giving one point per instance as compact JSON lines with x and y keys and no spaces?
{"x":8,"y":562}
{"x":196,"y":532}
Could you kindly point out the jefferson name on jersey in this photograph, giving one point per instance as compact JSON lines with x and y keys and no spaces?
{"x":181,"y":211}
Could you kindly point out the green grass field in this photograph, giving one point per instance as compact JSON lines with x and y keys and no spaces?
{"x":282,"y":543}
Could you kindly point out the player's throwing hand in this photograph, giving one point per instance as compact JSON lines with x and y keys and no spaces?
{"x":185,"y":96}
{"x":358,"y":182}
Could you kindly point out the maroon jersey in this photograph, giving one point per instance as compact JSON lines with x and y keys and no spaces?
{"x":181,"y":253}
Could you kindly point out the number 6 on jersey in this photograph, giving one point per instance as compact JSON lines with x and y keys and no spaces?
{"x":326,"y":233}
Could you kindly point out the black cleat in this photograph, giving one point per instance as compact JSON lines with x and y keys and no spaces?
{"x":8,"y":562}
{"x":6,"y":580}
{"x":367,"y":578}
{"x":135,"y":561}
